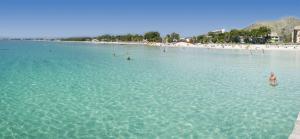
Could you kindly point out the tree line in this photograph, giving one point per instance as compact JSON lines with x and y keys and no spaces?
{"x":254,"y":36}
{"x":149,"y":36}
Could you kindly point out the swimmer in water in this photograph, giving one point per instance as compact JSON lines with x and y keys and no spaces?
{"x":273,"y":79}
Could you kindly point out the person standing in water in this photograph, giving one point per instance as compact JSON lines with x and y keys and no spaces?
{"x":273,"y":79}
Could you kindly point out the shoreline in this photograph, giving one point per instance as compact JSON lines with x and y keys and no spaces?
{"x":277,"y":47}
{"x":295,"y":47}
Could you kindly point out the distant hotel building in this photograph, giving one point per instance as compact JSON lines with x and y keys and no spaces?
{"x":275,"y":38}
{"x":219,"y":31}
{"x":95,"y":40}
{"x":187,"y":39}
{"x":296,"y":35}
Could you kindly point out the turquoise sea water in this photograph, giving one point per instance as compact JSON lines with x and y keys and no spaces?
{"x":77,"y":90}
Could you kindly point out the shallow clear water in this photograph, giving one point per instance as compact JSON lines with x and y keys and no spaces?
{"x":78,"y":90}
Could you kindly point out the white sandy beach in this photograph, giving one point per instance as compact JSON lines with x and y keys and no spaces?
{"x":283,"y":47}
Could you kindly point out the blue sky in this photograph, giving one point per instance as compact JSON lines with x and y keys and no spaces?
{"x":66,"y":18}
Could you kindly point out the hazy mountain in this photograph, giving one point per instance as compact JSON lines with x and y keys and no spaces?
{"x":282,"y":27}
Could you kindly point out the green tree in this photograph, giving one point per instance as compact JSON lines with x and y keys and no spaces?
{"x":168,"y":39}
{"x":173,"y":37}
{"x":260,"y":35}
{"x":106,"y":37}
{"x":234,"y":36}
{"x":137,"y":38}
{"x":152,"y":37}
{"x":203,"y":39}
{"x":77,"y":39}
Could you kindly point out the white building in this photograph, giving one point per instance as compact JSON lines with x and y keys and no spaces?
{"x":296,"y":35}
{"x":95,"y":40}
{"x":187,"y":39}
{"x":219,"y":31}
{"x":275,"y":38}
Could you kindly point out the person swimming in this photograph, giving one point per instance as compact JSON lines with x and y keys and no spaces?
{"x":273,"y":79}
